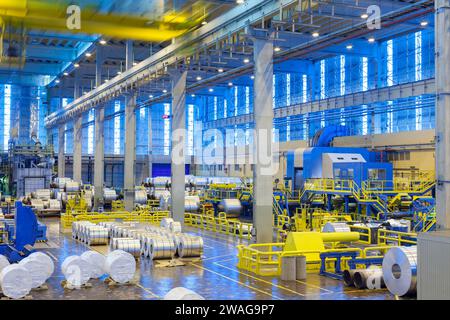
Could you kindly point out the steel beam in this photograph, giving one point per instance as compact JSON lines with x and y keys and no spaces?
{"x":61,"y":147}
{"x":77,"y":149}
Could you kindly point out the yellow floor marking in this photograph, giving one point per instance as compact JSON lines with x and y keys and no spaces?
{"x":262,"y":280}
{"x":224,"y":255}
{"x":314,"y":286}
{"x":148,"y":291}
{"x":241,"y":283}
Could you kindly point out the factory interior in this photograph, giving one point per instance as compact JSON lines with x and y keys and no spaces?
{"x":225,"y":150}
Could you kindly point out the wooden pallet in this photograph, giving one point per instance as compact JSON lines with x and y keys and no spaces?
{"x":68,"y":286}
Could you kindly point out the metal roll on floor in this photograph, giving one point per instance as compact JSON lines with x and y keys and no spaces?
{"x":161,"y":248}
{"x":165,"y":222}
{"x":336,"y":227}
{"x":371,"y":278}
{"x":232,"y":207}
{"x":96,"y":235}
{"x":140,"y":196}
{"x":130,"y":245}
{"x":400,"y":270}
{"x":190,"y":247}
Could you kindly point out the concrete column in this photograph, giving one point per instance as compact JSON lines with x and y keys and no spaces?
{"x":99,"y":163}
{"x":150,"y":144}
{"x":178,"y":143}
{"x":130,"y":137}
{"x":262,"y":145}
{"x":442,"y":36}
{"x":77,"y":159}
{"x":61,"y":147}
{"x":76,"y":85}
{"x":98,"y":66}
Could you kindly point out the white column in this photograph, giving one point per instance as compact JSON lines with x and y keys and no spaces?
{"x":442,"y":36}
{"x":77,"y":159}
{"x":99,"y":163}
{"x":130,"y":137}
{"x":262,"y":145}
{"x":178,"y":144}
{"x":150,"y":144}
{"x":61,"y":147}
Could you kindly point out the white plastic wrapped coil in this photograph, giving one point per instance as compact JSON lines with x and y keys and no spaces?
{"x":97,"y":262}
{"x":120,"y":266}
{"x":15,"y":281}
{"x":46,"y":260}
{"x":165,"y":222}
{"x":3,"y":262}
{"x":37,"y":269}
{"x":76,"y":270}
{"x":400,"y":270}
{"x":181,"y":293}
{"x":175,"y":226}
{"x":161,"y":248}
{"x":190,"y":247}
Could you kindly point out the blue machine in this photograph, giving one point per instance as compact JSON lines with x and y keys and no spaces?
{"x":24,"y":235}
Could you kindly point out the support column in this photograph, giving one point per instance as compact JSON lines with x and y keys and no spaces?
{"x":99,"y":153}
{"x":130,"y":137}
{"x":99,"y":163}
{"x":150,"y":144}
{"x":178,"y":144}
{"x":61,"y":147}
{"x":262,"y":146}
{"x":77,"y":159}
{"x":442,"y":114}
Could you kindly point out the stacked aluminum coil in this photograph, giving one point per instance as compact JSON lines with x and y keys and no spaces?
{"x":109,"y":195}
{"x":232,"y":207}
{"x":72,"y":186}
{"x":130,"y":245}
{"x":400,"y":270}
{"x":43,"y":194}
{"x":140,"y":196}
{"x":90,"y":233}
{"x":190,"y":246}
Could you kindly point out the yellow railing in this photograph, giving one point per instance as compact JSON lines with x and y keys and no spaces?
{"x":265,"y":259}
{"x":397,"y":237}
{"x":365,"y":233}
{"x":397,"y":186}
{"x":334,"y":185}
{"x":153,"y":217}
{"x":219,"y":224}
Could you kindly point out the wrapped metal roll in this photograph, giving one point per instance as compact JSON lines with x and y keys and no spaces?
{"x":72,"y":186}
{"x":36,"y":269}
{"x":231,"y":207}
{"x":3,"y":262}
{"x":161,"y":248}
{"x":76,"y":271}
{"x":49,"y":266}
{"x":336,"y":227}
{"x":121,"y":266}
{"x":140,"y":196}
{"x":181,"y":293}
{"x":371,"y":278}
{"x":175,"y":226}
{"x":400,"y":270}
{"x":97,"y":262}
{"x":165,"y":222}
{"x":15,"y":281}
{"x":348,"y":277}
{"x":190,"y":247}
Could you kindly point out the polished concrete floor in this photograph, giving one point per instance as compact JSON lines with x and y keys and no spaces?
{"x":214,"y":276}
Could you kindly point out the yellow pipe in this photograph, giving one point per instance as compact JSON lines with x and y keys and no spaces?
{"x":339,"y":236}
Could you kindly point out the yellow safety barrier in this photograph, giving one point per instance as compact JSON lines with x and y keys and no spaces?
{"x":265,"y":259}
{"x":365,"y":234}
{"x":397,"y":237}
{"x":152,"y":217}
{"x":219,"y":224}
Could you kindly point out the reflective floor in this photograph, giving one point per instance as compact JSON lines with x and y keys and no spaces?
{"x":214,"y":276}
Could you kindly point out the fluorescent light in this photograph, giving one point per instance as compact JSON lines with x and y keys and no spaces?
{"x":66,"y":74}
{"x":349,"y":46}
{"x":119,"y":72}
{"x":164,"y":91}
{"x":204,"y":22}
{"x":252,"y":77}
{"x":220,"y":70}
{"x":240,"y":1}
{"x":102,"y":42}
{"x":230,"y":83}
{"x":198,"y":78}
{"x":57,"y":81}
{"x":364,"y":16}
{"x":424,"y":23}
{"x":192,"y":95}
{"x":150,"y":96}
{"x":276,"y":49}
{"x":210,"y":89}
{"x":76,"y":65}
{"x":135,"y":63}
{"x":246,"y":60}
{"x":88,"y":54}
{"x":371,"y":39}
{"x":315,"y":34}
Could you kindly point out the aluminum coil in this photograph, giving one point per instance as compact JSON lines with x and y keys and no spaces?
{"x":3,"y":262}
{"x":76,"y":271}
{"x":121,"y":266}
{"x":190,"y":247}
{"x":37,"y":204}
{"x":43,"y":194}
{"x":175,"y":226}
{"x":36,"y":269}
{"x":15,"y":281}
{"x":400,"y":270}
{"x":140,"y":196}
{"x":54,"y":204}
{"x":231,"y":207}
{"x":96,"y":235}
{"x":165,"y":222}
{"x":97,"y":262}
{"x":130,"y":245}
{"x":181,"y":293}
{"x":72,"y":186}
{"x":161,"y":248}
{"x":371,"y":278}
{"x":336,"y":227}
{"x":109,"y":195}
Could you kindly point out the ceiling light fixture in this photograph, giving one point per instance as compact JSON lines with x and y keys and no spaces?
{"x":164,"y":91}
{"x":198,"y":78}
{"x":220,"y":70}
{"x":424,"y":23}
{"x":102,"y":42}
{"x":276,"y":49}
{"x":88,"y":54}
{"x":371,"y":40}
{"x":246,"y":60}
{"x":364,"y":16}
{"x":349,"y":47}
{"x":66,"y":74}
{"x":230,"y":84}
{"x":76,"y":65}
{"x":315,"y":34}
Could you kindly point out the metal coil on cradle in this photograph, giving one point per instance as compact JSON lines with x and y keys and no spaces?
{"x":232,"y":207}
{"x":161,"y":248}
{"x":109,"y":195}
{"x":140,"y":196}
{"x":371,"y":278}
{"x":72,"y":186}
{"x":165,"y":222}
{"x":190,"y":247}
{"x":400,"y":270}
{"x":96,"y":235}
